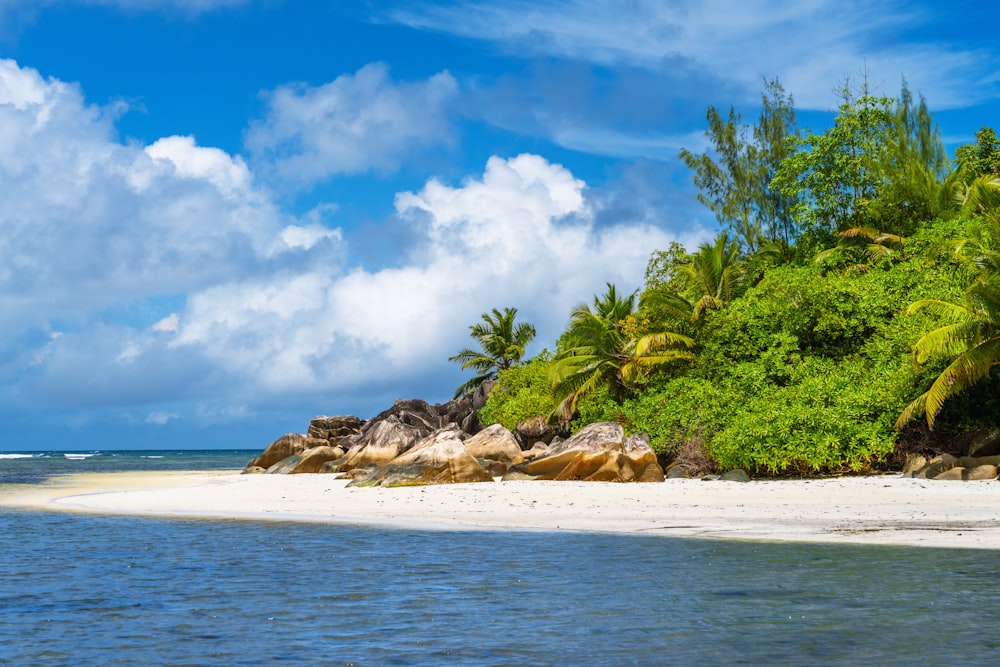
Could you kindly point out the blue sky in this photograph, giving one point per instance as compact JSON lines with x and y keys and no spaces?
{"x":219,"y":218}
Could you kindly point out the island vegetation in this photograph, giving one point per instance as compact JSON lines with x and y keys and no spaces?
{"x":847,"y":314}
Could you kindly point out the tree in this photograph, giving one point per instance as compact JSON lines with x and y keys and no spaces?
{"x":972,"y":337}
{"x":712,"y":276}
{"x":983,"y":157}
{"x":734,"y":180}
{"x":880,"y":166}
{"x":602,"y":348}
{"x":502,"y":344}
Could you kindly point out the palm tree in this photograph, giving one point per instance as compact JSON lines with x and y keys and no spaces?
{"x":601,"y":348}
{"x":973,"y":337}
{"x":502,"y":344}
{"x":713,"y":275}
{"x":875,"y":245}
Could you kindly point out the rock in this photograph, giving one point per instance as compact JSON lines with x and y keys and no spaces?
{"x":676,"y":471}
{"x":253,"y":470}
{"x":936,"y":466}
{"x":914,"y":462}
{"x":533,"y":430}
{"x":953,"y":473}
{"x":440,"y":458}
{"x":496,"y":444}
{"x":495,"y":468}
{"x":385,"y":440}
{"x":985,"y":443}
{"x":737,"y":475}
{"x":642,"y":459}
{"x":334,"y":428}
{"x":980,"y":472}
{"x":710,"y":478}
{"x":598,"y":453}
{"x":973,"y":461}
{"x":283,"y":447}
{"x":313,"y":460}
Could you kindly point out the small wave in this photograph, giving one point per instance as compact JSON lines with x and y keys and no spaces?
{"x":150,"y":457}
{"x":16,"y":456}
{"x":77,"y":457}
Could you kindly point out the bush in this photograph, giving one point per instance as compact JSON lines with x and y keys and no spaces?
{"x":520,"y":393}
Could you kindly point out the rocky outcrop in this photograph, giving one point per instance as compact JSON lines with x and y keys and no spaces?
{"x":947,"y":467}
{"x":283,"y":447}
{"x":380,"y":441}
{"x":598,"y":453}
{"x":440,"y":458}
{"x":309,"y":461}
{"x":495,"y":443}
{"x":333,"y":429}
{"x":531,"y":431}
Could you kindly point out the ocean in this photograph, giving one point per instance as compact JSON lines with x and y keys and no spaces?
{"x":111,"y":590}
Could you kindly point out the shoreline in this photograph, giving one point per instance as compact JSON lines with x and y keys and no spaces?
{"x":887,"y":509}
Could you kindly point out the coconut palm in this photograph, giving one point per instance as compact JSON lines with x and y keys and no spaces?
{"x":502,"y":344}
{"x":713,"y":275}
{"x":600,"y":348}
{"x":973,"y":337}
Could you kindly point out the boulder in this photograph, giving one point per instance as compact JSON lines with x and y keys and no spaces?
{"x":334,"y":428}
{"x":980,"y":472}
{"x":440,"y":458}
{"x":538,"y":449}
{"x":597,"y":453}
{"x":737,"y":475}
{"x":956,"y":473}
{"x":985,"y":443}
{"x":914,"y":463}
{"x":313,"y":460}
{"x":253,"y":470}
{"x":283,"y":447}
{"x":676,"y":471}
{"x":385,"y":440}
{"x":936,"y":466}
{"x":495,"y":443}
{"x":535,"y":429}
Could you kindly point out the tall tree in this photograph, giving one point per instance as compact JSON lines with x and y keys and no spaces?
{"x":502,"y":343}
{"x":734,"y":178}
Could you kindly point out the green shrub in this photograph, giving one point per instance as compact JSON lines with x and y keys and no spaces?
{"x":521,"y":392}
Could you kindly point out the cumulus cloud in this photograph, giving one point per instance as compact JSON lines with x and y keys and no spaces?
{"x":522,"y":234}
{"x":810,"y":45}
{"x":164,"y":275}
{"x":356,"y":123}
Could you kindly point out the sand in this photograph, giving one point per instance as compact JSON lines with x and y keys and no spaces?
{"x":871,"y":510}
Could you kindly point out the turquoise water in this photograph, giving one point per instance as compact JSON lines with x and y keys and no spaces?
{"x":102,"y":590}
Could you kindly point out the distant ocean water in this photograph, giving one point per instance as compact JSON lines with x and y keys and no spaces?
{"x":106,"y":590}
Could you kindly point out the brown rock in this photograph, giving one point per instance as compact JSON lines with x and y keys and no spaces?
{"x":980,"y":472}
{"x":253,"y":470}
{"x":376,"y":446}
{"x":737,"y":475}
{"x":985,"y":443}
{"x":334,"y":428}
{"x":676,"y":471}
{"x":283,"y":447}
{"x":597,"y":453}
{"x":312,"y":460}
{"x":440,"y":458}
{"x":496,"y":444}
{"x":953,"y":473}
{"x":535,"y":429}
{"x":936,"y":466}
{"x":913,"y":464}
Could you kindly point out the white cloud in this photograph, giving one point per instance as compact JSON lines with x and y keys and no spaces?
{"x":159,"y":417}
{"x":172,"y":278}
{"x":522,"y":235}
{"x":809,"y":45}
{"x":356,"y":123}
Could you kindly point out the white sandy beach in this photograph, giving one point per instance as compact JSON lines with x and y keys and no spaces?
{"x":873,"y":510}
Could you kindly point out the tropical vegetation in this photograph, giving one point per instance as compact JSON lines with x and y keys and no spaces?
{"x":847,"y":312}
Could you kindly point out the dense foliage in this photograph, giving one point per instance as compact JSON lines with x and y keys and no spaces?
{"x":856,"y":289}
